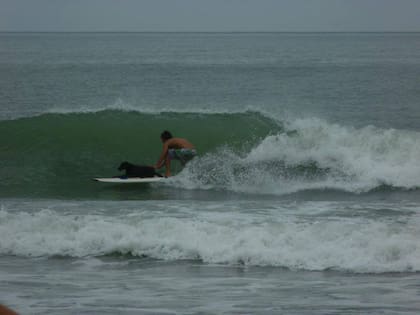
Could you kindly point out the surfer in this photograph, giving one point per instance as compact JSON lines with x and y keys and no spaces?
{"x":174,"y":149}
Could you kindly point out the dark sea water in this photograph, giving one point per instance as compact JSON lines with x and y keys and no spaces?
{"x":304,"y":197}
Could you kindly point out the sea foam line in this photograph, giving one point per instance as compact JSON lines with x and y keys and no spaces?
{"x":356,"y":245}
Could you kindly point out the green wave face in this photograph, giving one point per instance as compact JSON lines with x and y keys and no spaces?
{"x":55,"y":155}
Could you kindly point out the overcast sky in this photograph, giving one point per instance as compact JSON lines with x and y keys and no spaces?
{"x":210,"y":15}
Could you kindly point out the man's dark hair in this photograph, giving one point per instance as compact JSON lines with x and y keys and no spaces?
{"x":166,"y":135}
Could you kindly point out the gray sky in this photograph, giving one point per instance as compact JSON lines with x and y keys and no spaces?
{"x":210,"y":15}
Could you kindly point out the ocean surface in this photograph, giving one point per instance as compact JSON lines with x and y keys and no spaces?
{"x":304,"y":197}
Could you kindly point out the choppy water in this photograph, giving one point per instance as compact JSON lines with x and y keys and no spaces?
{"x":304,"y":197}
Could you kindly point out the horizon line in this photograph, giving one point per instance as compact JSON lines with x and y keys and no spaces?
{"x":207,"y":32}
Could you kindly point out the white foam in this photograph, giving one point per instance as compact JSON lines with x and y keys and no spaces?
{"x":353,"y":244}
{"x":324,"y":155}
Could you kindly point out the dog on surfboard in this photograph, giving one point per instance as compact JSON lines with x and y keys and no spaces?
{"x":133,"y":170}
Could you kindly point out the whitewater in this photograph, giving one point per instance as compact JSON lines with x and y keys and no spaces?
{"x":342,"y":237}
{"x":303,"y":199}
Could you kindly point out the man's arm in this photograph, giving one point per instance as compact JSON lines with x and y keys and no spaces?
{"x":163,"y":156}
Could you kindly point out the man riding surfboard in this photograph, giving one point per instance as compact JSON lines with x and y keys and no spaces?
{"x":174,"y":149}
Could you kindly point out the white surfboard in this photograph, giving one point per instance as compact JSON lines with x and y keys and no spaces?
{"x":129,"y":180}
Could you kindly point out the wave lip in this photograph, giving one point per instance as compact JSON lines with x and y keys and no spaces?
{"x":126,"y":107}
{"x":354,"y":245}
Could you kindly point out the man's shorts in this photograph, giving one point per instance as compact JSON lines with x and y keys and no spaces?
{"x":184,"y":155}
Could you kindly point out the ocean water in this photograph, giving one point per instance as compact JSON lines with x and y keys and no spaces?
{"x":304,"y":197}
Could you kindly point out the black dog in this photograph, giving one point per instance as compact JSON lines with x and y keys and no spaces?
{"x":142,"y":171}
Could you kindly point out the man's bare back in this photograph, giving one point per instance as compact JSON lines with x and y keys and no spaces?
{"x":179,"y":143}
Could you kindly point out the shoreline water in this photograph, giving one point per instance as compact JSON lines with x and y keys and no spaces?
{"x":132,"y":286}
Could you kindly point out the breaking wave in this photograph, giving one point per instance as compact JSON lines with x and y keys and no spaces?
{"x":56,"y":154}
